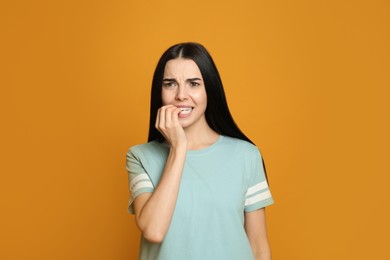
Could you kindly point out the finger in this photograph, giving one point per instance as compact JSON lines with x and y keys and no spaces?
{"x":157,"y":123}
{"x":175,"y":115}
{"x":161,"y":123}
{"x":168,"y":115}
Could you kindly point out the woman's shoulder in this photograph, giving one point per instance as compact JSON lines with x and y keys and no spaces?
{"x":237,"y":143}
{"x":148,"y":148}
{"x":242,"y":148}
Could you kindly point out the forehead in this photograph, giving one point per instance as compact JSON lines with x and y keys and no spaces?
{"x":180,"y":67}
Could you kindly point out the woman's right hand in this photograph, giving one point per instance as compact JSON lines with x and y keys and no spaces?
{"x":167,"y":123}
{"x":154,"y":211}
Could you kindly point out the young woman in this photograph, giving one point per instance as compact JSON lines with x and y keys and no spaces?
{"x":198,"y":187}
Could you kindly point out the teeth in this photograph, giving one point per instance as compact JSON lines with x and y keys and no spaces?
{"x":185,"y":110}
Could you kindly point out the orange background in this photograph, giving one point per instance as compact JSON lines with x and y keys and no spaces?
{"x":307,"y":81}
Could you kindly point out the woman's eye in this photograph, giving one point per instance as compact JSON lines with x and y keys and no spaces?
{"x":194,"y":84}
{"x":169,"y":84}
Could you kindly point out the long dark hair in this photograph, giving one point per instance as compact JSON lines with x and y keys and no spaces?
{"x":217,"y":112}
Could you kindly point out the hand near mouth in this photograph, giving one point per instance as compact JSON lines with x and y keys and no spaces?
{"x":167,"y":123}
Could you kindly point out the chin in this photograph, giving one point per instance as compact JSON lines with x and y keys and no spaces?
{"x":184,"y":125}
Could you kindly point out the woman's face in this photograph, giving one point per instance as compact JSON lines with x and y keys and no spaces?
{"x":184,"y":88}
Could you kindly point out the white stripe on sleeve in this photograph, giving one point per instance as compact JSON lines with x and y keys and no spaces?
{"x":255,"y":188}
{"x":142,"y":176}
{"x":257,"y":198}
{"x":140,"y":185}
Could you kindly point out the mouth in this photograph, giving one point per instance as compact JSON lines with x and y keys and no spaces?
{"x":185,"y":110}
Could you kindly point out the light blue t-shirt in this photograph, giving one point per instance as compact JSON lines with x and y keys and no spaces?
{"x":219,"y":183}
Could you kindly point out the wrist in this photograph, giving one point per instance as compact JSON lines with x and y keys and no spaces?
{"x":180,"y":147}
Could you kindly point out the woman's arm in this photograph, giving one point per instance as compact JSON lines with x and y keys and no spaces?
{"x":256,"y":230}
{"x":154,"y":211}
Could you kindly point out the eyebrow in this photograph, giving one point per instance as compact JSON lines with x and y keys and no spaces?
{"x":193,"y":79}
{"x":190,"y":79}
{"x":167,"y":79}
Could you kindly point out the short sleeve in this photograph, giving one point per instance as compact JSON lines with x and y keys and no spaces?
{"x":258,"y":194}
{"x":139,"y":181}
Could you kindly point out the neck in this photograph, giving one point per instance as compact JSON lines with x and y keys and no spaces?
{"x":200,"y":136}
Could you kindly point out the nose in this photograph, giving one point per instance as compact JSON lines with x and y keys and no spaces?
{"x":181,"y":93}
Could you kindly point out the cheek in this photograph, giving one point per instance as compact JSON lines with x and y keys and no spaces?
{"x":200,"y":98}
{"x":165,"y":98}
